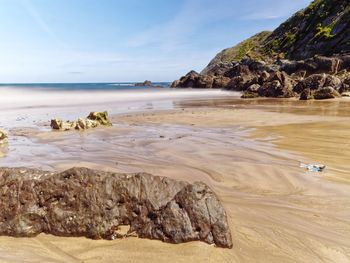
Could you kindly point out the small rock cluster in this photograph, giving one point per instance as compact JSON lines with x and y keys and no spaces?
{"x":94,"y":120}
{"x":96,"y":204}
{"x":146,"y":83}
{"x":314,"y":78}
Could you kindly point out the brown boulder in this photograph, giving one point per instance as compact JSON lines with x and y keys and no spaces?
{"x":312,"y":82}
{"x":275,"y":89}
{"x":146,"y":83}
{"x":345,"y":86}
{"x":253,"y":88}
{"x":326,"y":93}
{"x":94,"y":204}
{"x":315,"y":65}
{"x":175,"y":84}
{"x":204,"y":82}
{"x":306,"y":94}
{"x":189,"y":81}
{"x":249,"y":95}
{"x":318,"y":81}
{"x":221,"y":82}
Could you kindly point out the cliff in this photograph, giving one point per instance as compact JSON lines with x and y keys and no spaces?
{"x":323,"y":28}
{"x":308,"y":56}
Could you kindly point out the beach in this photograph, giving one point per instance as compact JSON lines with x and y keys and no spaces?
{"x":248,"y":151}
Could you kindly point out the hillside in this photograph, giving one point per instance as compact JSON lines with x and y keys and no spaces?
{"x":250,"y":47}
{"x":308,"y":56}
{"x":323,"y":28}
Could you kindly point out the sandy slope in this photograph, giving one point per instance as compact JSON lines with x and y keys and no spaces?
{"x":249,"y":154}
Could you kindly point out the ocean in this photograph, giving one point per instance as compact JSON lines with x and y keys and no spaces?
{"x":84,"y":86}
{"x":19,"y":103}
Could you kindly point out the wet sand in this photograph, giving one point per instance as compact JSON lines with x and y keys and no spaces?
{"x":249,"y":153}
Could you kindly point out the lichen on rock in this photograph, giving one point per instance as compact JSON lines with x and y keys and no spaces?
{"x":94,"y":120}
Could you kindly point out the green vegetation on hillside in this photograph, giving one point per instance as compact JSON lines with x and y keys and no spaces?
{"x":322,"y":28}
{"x":248,"y":48}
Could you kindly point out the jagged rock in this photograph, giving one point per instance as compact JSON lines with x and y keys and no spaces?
{"x":333,"y":81}
{"x":175,"y":84}
{"x":94,"y":204}
{"x":101,"y":117}
{"x":84,"y":124}
{"x":312,"y":82}
{"x":238,"y":69}
{"x":249,"y":95}
{"x":205,"y":82}
{"x":314,"y":65}
{"x":251,"y":92}
{"x":92,"y":121}
{"x":318,"y":81}
{"x":253,"y":88}
{"x":3,"y":137}
{"x":58,"y":124}
{"x":306,"y":94}
{"x":220,"y":69}
{"x":146,"y":83}
{"x":263,"y":77}
{"x":238,"y":83}
{"x":269,"y":89}
{"x":345,"y":86}
{"x":345,"y":62}
{"x":221,"y":82}
{"x":195,"y":80}
{"x":326,"y":93}
{"x":190,"y":80}
{"x":275,"y":89}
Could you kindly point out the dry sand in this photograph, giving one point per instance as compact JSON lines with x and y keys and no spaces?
{"x":248,"y":152}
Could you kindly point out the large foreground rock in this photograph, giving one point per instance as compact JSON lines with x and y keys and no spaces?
{"x":84,"y":202}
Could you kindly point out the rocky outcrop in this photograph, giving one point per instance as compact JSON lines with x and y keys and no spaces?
{"x":250,"y":47}
{"x":320,"y":29}
{"x":94,"y":204}
{"x":281,"y":79}
{"x":94,"y":120}
{"x":146,"y":83}
{"x":308,"y":56}
{"x":200,"y":81}
{"x":326,"y":93}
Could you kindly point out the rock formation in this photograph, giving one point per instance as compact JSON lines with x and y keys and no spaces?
{"x":146,"y":83}
{"x":321,"y":29}
{"x":94,"y":204}
{"x":308,"y":56}
{"x":94,"y":120}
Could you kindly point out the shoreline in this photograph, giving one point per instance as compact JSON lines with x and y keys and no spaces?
{"x":276,"y":210}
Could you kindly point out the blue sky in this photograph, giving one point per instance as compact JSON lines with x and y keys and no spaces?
{"x":125,"y":40}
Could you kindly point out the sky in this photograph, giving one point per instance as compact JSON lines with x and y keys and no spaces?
{"x":125,"y":40}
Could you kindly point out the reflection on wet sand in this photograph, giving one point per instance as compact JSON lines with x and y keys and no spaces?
{"x":248,"y":152}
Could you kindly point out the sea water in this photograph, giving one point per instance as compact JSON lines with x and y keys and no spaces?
{"x":27,"y":104}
